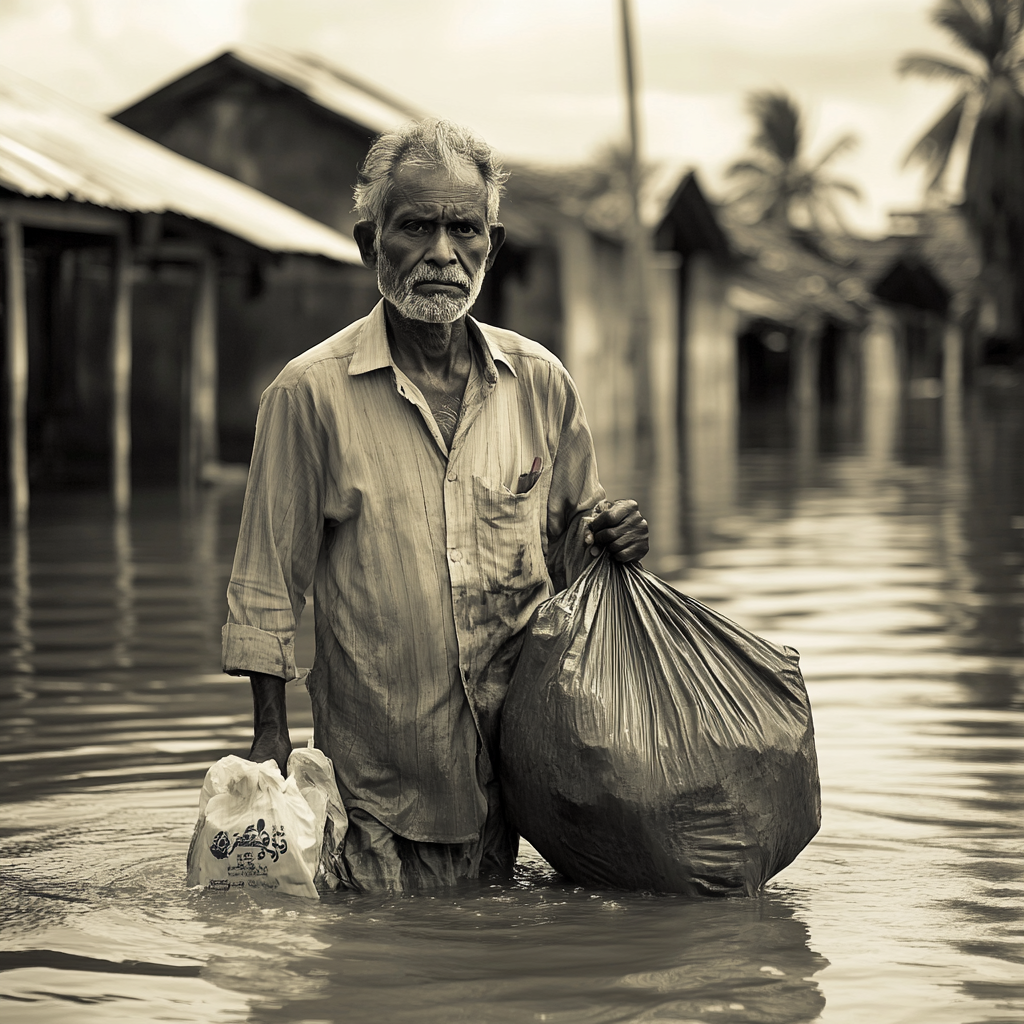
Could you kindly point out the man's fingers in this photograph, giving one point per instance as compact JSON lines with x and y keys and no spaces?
{"x":616,"y":513}
{"x":599,"y":509}
{"x":613,"y":531}
{"x":633,"y":553}
{"x":618,"y":528}
{"x":613,"y":515}
{"x":626,"y":542}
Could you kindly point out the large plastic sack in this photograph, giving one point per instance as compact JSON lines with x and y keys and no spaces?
{"x":647,"y":742}
{"x":258,"y":830}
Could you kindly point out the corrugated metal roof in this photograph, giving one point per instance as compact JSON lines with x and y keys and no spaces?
{"x":50,"y":146}
{"x":329,"y":86}
{"x":790,"y":279}
{"x":941,"y":239}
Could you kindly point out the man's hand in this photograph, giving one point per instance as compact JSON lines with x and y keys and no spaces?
{"x":271,"y":741}
{"x":620,"y":528}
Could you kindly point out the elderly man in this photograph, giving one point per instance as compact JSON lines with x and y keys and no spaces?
{"x":435,"y":479}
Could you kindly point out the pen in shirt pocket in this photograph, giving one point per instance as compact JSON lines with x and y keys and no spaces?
{"x":527,"y":480}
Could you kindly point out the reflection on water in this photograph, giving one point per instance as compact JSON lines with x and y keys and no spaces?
{"x":893,"y":561}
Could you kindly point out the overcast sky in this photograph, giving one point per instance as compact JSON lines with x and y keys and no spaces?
{"x":542,"y":79}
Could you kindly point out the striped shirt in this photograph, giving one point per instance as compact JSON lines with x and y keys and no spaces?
{"x":425,"y":563}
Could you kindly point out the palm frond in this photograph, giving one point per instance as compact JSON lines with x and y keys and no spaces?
{"x":1004,"y":22}
{"x":746,"y":167}
{"x":927,"y":66}
{"x":1015,"y":22}
{"x":842,"y":145}
{"x":779,"y":131}
{"x":836,"y":213}
{"x":750,"y":194}
{"x":838,"y":185}
{"x":976,"y":25}
{"x":933,"y":149}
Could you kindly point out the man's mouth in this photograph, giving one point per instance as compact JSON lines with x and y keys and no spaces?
{"x":441,"y":286}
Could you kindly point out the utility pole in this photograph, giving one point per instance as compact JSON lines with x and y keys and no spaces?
{"x":638,"y":243}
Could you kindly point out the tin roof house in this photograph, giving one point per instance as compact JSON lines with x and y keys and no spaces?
{"x":817,"y":328}
{"x":113,"y":250}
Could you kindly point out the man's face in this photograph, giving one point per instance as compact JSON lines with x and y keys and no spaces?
{"x":432,"y":250}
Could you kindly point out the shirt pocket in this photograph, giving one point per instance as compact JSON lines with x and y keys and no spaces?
{"x":510,"y":535}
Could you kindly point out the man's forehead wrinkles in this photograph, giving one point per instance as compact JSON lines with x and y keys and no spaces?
{"x":432,"y":193}
{"x":437,"y":207}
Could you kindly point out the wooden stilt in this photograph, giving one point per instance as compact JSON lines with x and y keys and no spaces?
{"x":881,"y":388}
{"x":202,"y":440}
{"x":710,"y":397}
{"x":21,"y":600}
{"x":806,"y":397}
{"x":121,"y":371}
{"x":17,"y":370}
{"x":952,"y":395}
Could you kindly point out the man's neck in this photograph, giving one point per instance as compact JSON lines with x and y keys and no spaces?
{"x":438,"y":350}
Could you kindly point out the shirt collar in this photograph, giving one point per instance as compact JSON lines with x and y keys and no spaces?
{"x":372,"y":349}
{"x":492,"y":352}
{"x":373,"y":352}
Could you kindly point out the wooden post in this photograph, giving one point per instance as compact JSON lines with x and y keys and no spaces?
{"x":17,"y":370}
{"x":126,"y":620}
{"x":21,"y":599}
{"x":881,"y":388}
{"x":665,"y":483}
{"x":638,"y":243}
{"x":710,"y":400}
{"x":806,"y":395}
{"x":952,"y":395}
{"x":202,"y":398}
{"x":121,"y":373}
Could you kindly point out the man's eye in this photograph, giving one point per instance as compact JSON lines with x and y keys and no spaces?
{"x":417,"y":227}
{"x":464,"y":229}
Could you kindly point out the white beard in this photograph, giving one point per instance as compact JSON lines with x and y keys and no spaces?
{"x":439,"y":308}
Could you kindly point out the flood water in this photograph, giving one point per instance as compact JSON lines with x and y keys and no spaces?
{"x":893,"y":563}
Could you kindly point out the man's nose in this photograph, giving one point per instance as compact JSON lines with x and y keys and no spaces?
{"x":441,"y":251}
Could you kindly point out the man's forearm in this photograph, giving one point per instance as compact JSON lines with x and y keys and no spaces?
{"x":269,"y":709}
{"x":269,"y":720}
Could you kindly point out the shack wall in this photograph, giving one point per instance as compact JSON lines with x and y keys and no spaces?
{"x":297,"y":303}
{"x":596,"y":331}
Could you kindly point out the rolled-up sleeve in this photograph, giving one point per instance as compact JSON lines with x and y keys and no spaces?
{"x":575,"y":487}
{"x":279,"y":537}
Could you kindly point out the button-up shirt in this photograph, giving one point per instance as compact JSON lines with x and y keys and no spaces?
{"x":425,"y":563}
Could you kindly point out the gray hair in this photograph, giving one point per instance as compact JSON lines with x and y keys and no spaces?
{"x":433,"y":142}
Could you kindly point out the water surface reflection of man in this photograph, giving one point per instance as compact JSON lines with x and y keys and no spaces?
{"x":435,"y":478}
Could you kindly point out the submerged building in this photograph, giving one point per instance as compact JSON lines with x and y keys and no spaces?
{"x":117,"y":253}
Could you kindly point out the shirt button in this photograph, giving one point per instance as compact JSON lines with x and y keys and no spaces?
{"x":456,"y":556}
{"x":452,"y":477}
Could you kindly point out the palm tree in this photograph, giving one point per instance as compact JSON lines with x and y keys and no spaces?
{"x":777,"y":183}
{"x":990,"y":30}
{"x":986,"y":115}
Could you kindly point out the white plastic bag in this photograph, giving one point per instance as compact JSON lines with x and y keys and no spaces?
{"x":257,"y":830}
{"x":314,"y":775}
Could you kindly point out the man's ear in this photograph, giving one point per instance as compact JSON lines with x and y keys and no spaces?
{"x":365,"y":234}
{"x":496,"y":233}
